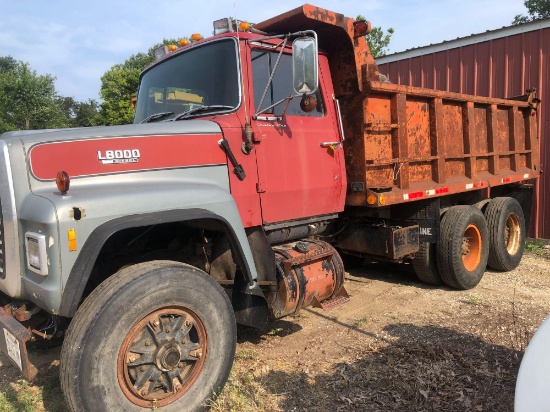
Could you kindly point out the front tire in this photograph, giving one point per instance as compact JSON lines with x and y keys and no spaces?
{"x":506,"y":224}
{"x":462,"y":247}
{"x":156,"y":335}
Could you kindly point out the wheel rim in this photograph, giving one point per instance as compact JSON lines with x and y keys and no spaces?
{"x":471,"y":248}
{"x":162,"y":356}
{"x":512,"y":234}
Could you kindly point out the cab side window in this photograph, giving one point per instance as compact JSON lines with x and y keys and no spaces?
{"x":262,"y":65}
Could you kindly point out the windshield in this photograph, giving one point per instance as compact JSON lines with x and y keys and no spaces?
{"x":203,"y":76}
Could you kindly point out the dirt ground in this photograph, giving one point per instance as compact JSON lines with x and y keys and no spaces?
{"x":398,"y":345}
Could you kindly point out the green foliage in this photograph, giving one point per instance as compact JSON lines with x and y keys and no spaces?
{"x":78,"y":114}
{"x":536,"y":9}
{"x":29,"y":101}
{"x":377,"y":40}
{"x":119,"y":84}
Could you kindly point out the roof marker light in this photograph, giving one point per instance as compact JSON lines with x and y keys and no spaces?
{"x":361,"y":28}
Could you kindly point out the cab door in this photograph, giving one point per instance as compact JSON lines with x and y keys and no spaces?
{"x":300,"y":171}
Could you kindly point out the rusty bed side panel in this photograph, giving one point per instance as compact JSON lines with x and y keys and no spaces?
{"x":419,"y":143}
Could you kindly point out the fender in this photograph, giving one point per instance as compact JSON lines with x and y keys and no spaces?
{"x":82,"y":268}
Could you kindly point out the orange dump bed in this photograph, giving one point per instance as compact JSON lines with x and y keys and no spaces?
{"x":418,"y":143}
{"x":406,"y":143}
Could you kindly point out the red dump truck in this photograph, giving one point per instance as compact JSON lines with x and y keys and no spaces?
{"x":260,"y":159}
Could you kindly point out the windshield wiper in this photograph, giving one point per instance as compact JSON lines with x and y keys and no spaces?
{"x":156,"y":116}
{"x":201,"y":109}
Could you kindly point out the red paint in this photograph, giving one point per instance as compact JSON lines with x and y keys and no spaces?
{"x":441,"y":190}
{"x":415,"y":195}
{"x":299,"y":177}
{"x":82,"y":157}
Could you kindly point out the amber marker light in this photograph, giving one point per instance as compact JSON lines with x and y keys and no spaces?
{"x":371,"y":199}
{"x":183,"y":42}
{"x":244,"y":26}
{"x":196,"y":37}
{"x":361,"y":28}
{"x":71,"y":235}
{"x":63,"y":181}
{"x":172,"y":47}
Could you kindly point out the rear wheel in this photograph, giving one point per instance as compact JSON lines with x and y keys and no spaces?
{"x":157,"y":335}
{"x":462,"y":248}
{"x":425,"y":266}
{"x":506,"y":225}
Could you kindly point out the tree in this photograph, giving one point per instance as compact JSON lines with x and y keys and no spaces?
{"x":30,"y":101}
{"x":7,"y":64}
{"x":78,"y":114}
{"x":119,"y":84}
{"x":537,"y":9}
{"x":377,"y":41}
{"x":27,"y":99}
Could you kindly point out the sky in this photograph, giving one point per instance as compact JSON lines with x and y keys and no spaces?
{"x":78,"y":41}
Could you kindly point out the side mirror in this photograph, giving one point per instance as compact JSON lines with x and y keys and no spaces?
{"x":305,"y":69}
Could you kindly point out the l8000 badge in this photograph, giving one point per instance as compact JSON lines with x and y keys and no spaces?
{"x":118,"y":156}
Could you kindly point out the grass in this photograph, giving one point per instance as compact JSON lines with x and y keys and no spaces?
{"x":242,"y":392}
{"x":21,"y":397}
{"x":536,"y":247}
{"x":472,"y":299}
{"x":360,"y":322}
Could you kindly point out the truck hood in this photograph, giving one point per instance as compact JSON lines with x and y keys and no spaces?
{"x":32,"y":137}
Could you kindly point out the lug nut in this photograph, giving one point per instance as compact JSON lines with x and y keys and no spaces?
{"x":156,"y":323}
{"x":167,"y":329}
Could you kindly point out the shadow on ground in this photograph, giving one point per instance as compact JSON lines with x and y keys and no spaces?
{"x":446,"y":371}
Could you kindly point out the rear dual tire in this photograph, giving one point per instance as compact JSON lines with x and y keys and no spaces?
{"x":507,"y":233}
{"x":462,"y":248}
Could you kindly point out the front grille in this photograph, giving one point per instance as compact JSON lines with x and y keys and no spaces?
{"x":2,"y":251}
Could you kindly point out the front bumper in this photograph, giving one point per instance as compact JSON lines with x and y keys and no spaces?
{"x":13,"y":343}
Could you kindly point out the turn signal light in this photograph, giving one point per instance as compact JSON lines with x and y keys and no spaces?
{"x":63,"y":181}
{"x":71,"y":237}
{"x":196,"y":37}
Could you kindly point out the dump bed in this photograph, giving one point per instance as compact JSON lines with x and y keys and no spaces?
{"x":418,"y":143}
{"x":407,"y":143}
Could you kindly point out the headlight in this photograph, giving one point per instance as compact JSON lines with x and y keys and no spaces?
{"x":37,"y":258}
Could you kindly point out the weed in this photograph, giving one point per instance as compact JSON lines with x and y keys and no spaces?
{"x":472,"y":299}
{"x":245,"y":354}
{"x":275,"y":331}
{"x":360,"y":322}
{"x":536,"y":247}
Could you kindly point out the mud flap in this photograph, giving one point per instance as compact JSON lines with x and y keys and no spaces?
{"x":13,"y":343}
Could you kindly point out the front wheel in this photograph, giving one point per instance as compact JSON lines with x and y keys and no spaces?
{"x":157,"y":335}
